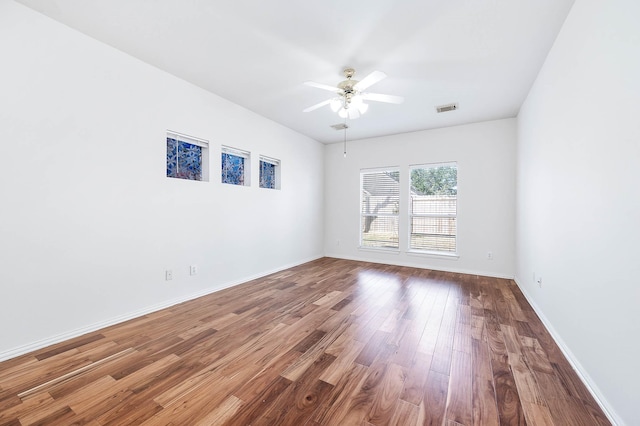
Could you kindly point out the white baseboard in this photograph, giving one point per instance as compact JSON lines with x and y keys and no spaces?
{"x":575,"y":364}
{"x":422,"y":266}
{"x":43,"y":343}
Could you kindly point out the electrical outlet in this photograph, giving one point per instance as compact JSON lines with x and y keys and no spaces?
{"x":338,"y":242}
{"x":168,"y":275}
{"x":539,"y":281}
{"x":193,"y":269}
{"x":490,"y":255}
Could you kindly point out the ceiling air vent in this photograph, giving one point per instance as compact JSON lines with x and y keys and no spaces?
{"x":340,"y":126}
{"x":445,"y":108}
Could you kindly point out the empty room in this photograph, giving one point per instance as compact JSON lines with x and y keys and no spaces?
{"x":320,"y":213}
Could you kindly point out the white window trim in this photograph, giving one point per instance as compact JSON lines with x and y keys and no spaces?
{"x":270,"y":160}
{"x":437,"y":254}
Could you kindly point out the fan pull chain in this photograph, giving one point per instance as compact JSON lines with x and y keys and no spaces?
{"x":345,"y":137}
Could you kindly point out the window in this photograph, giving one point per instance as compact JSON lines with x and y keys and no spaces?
{"x":379,"y":205}
{"x":433,"y":208}
{"x":235,"y":166}
{"x":186,"y":157}
{"x":269,"y":173}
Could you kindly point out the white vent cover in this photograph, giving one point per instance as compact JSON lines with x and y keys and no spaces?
{"x":340,"y":126}
{"x":448,"y":107}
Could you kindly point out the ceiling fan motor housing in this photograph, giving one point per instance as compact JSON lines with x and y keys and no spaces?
{"x":347,"y":86}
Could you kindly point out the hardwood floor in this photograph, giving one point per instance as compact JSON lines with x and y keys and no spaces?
{"x":331,"y":342}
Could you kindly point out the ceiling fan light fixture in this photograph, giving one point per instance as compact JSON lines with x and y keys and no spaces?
{"x":349,"y":102}
{"x":362,"y":108}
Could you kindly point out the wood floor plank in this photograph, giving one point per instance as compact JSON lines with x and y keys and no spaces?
{"x":406,"y":414}
{"x":295,"y":404}
{"x":329,"y":342}
{"x":254,"y":409}
{"x":459,"y":395}
{"x":484,"y":405}
{"x":222,"y":412}
{"x":384,"y":402}
{"x":432,"y":407}
{"x":414,"y":383}
{"x":507,"y":396}
{"x":361,"y":404}
{"x":338,"y":403}
{"x":343,"y":363}
{"x":537,"y":415}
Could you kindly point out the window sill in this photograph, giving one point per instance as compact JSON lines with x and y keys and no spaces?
{"x":450,"y":256}
{"x":380,"y":250}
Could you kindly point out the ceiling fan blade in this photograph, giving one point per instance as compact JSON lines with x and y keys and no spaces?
{"x":378,"y":97}
{"x":370,"y":80}
{"x":316,"y":106}
{"x":323,"y":86}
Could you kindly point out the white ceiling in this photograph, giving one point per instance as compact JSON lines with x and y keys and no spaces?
{"x":483,"y":54}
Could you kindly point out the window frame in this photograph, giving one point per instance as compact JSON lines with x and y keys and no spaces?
{"x":246,"y":155}
{"x":204,"y":154}
{"x":274,"y":162}
{"x":411,"y":215}
{"x":362,"y":215}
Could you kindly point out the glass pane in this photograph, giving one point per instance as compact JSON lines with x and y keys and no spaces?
{"x":267,"y":175}
{"x":436,"y":180}
{"x":433,"y":204}
{"x":434,"y":191}
{"x":232,"y":169}
{"x":380,"y":193}
{"x":380,"y":231}
{"x":433,"y":234}
{"x":184,"y":160}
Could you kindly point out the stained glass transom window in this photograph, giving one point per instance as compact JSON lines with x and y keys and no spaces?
{"x":269,"y":175}
{"x":235,"y":166}
{"x":184,"y":159}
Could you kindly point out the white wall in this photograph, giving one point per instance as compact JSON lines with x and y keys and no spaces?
{"x":578,"y":206}
{"x":485,"y":153}
{"x":89,"y":222}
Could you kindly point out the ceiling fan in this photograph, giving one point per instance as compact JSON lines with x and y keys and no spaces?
{"x":349,"y":102}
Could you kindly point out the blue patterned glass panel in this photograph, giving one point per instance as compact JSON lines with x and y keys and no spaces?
{"x":184,"y":160}
{"x":232,"y":169}
{"x":267,"y":175}
{"x":172,"y":157}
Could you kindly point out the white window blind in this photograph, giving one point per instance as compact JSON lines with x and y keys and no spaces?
{"x":186,"y":138}
{"x":379,"y":208}
{"x":235,"y":151}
